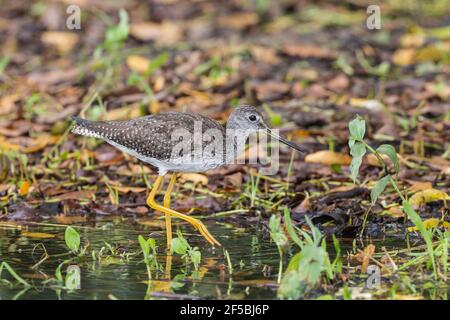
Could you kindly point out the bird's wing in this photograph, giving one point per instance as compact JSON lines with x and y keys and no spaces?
{"x":154,"y":136}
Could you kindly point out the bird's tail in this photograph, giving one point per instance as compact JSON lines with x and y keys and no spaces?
{"x":86,"y":127}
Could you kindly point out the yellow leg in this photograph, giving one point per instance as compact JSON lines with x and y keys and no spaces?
{"x":167,"y":196}
{"x":195,"y":222}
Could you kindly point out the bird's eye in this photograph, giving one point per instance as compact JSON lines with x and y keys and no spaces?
{"x":252,"y":118}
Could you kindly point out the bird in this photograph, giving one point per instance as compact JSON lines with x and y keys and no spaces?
{"x":180,"y":142}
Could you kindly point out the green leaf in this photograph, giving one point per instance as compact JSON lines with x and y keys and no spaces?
{"x":117,"y":34}
{"x":276,"y":232}
{"x":72,"y":239}
{"x":179,"y":245}
{"x":156,"y":63}
{"x":4,"y":63}
{"x":357,"y":128}
{"x":144,"y":247}
{"x":291,"y":286}
{"x":357,"y":151}
{"x":196,"y":257}
{"x":379,"y":188}
{"x":389,"y":150}
{"x":11,"y":271}
{"x":426,"y":234}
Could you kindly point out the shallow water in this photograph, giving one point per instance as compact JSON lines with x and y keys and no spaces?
{"x":254,"y":258}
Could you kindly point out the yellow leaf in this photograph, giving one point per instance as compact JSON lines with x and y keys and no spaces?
{"x":39,"y":235}
{"x":124,"y":189}
{"x":403,"y":57}
{"x":395,"y":212}
{"x":329,"y":157}
{"x":24,"y":188}
{"x":64,"y":41}
{"x":152,"y":223}
{"x":412,"y":40}
{"x":446,"y":225}
{"x":419,"y":185}
{"x":138,"y":64}
{"x":5,"y":145}
{"x":430,"y":53}
{"x":194,"y":177}
{"x":239,"y":21}
{"x":426,"y":196}
{"x":9,"y":225}
{"x":429,"y":223}
{"x":163,"y":33}
{"x":40,"y":143}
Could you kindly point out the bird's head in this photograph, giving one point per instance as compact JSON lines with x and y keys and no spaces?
{"x":248,"y":120}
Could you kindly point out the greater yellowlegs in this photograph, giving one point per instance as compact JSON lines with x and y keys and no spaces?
{"x":180,"y":142}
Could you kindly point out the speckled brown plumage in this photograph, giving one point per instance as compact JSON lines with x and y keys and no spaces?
{"x":149,"y":136}
{"x":173,"y":141}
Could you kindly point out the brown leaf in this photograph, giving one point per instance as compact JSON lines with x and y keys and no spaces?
{"x":197,"y":178}
{"x":38,"y":235}
{"x":364,"y":257}
{"x":163,"y":33}
{"x":329,"y":157}
{"x":239,"y":21}
{"x":76,"y":195}
{"x":64,"y":41}
{"x":308,"y":51}
{"x":419,"y":185}
{"x":138,"y":64}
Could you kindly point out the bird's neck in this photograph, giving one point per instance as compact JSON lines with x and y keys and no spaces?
{"x":235,"y":142}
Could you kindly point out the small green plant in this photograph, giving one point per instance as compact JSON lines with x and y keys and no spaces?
{"x":358,"y":148}
{"x":116,"y":34}
{"x":7,"y":267}
{"x":148,"y":248}
{"x":4,"y":63}
{"x":311,"y":264}
{"x":180,"y":246}
{"x":72,"y":238}
{"x":280,"y":239}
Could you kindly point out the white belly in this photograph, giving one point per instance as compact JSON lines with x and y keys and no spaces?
{"x":175,"y":165}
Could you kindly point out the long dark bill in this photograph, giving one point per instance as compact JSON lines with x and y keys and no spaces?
{"x":286,"y":142}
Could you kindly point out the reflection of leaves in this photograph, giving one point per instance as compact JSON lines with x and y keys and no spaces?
{"x":176,"y":282}
{"x":304,"y":271}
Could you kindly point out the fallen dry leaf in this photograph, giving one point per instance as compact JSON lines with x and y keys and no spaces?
{"x":197,"y":178}
{"x":239,"y":21}
{"x":364,"y":257}
{"x":426,"y":196}
{"x":419,"y":185}
{"x":308,"y":51}
{"x":24,"y":188}
{"x":328,"y":157}
{"x":429,"y":223}
{"x":64,"y":41}
{"x":76,"y":195}
{"x":395,"y":212}
{"x":138,"y":64}
{"x":163,"y":33}
{"x":38,"y":235}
